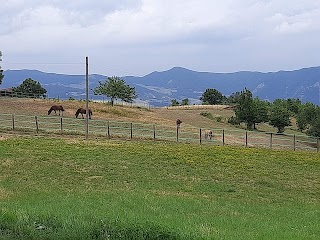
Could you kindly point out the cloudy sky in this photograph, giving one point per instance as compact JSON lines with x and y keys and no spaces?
{"x":136,"y":37}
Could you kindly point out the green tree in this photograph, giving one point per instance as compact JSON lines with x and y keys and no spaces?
{"x":233,"y":98}
{"x":315,"y":128}
{"x":185,"y":101}
{"x":260,"y":111}
{"x":245,"y":111}
{"x":30,"y":87}
{"x":306,"y":116}
{"x":174,"y":102}
{"x":211,"y":96}
{"x":116,"y":88}
{"x":279,"y":117}
{"x":293,"y":105}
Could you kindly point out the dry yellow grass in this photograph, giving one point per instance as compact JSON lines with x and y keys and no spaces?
{"x":165,"y":116}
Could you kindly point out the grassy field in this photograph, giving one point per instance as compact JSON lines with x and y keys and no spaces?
{"x":68,"y":188}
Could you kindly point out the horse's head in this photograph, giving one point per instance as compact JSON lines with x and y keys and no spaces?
{"x":61,"y":108}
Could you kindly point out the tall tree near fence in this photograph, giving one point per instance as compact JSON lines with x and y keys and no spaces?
{"x":31,"y":88}
{"x":245,"y":109}
{"x":279,"y":116}
{"x":116,"y":88}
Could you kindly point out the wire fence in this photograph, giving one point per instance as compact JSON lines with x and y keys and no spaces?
{"x":131,"y":130}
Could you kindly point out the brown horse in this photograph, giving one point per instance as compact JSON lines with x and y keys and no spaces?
{"x":83,"y":111}
{"x":56,"y":108}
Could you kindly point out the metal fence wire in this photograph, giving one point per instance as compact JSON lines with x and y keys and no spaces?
{"x":132,"y":130}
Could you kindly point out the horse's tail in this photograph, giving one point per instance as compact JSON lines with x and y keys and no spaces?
{"x":50,"y":110}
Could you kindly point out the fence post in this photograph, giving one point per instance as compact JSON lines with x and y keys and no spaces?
{"x":271,"y":140}
{"x":223,"y":140}
{"x":318,"y":146}
{"x":177,"y":133}
{"x":61,"y":128}
{"x":246,"y":138}
{"x":108,"y":130}
{"x":37,"y":125}
{"x":131,"y":131}
{"x":12,"y":121}
{"x":154,"y":132}
{"x":294,"y":142}
{"x":200,"y":134}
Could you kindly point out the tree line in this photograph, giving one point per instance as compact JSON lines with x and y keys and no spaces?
{"x":280,"y":113}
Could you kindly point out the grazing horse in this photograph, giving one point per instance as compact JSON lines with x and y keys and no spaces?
{"x":83,"y":111}
{"x":56,"y":108}
{"x":208,"y":134}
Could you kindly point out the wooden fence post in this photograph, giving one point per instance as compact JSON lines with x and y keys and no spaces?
{"x":37,"y":125}
{"x":131,"y":131}
{"x":154,"y":132}
{"x":177,"y":133}
{"x":294,"y":142}
{"x":246,"y":138}
{"x":61,"y":127}
{"x":223,"y":140}
{"x":108,"y":129}
{"x":200,"y":134}
{"x":12,"y":121}
{"x":318,"y":146}
{"x":271,"y":140}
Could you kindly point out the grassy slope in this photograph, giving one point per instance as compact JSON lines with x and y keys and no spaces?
{"x":145,"y":190}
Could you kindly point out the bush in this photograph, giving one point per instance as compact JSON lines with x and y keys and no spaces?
{"x":207,"y":115}
{"x":234,"y":120}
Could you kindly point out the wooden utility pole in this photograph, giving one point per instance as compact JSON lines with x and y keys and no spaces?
{"x":87,"y":98}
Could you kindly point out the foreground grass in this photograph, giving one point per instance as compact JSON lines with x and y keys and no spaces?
{"x":72,"y":189}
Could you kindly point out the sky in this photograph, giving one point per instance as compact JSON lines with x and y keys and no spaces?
{"x":137,"y":37}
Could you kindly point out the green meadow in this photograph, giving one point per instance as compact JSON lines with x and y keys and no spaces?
{"x":54,"y":188}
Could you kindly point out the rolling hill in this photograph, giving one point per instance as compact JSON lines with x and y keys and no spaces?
{"x":159,"y":88}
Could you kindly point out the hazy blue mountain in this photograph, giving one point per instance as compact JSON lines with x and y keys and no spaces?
{"x":158,"y":88}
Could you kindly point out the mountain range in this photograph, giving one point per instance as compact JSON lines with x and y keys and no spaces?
{"x":159,"y":88}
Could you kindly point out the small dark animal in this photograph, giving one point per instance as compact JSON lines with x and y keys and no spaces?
{"x":56,"y":108}
{"x":83,"y":111}
{"x":178,"y":122}
{"x":208,"y":134}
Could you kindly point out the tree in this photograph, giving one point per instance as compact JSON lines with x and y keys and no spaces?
{"x":30,"y":87}
{"x":174,"y":102}
{"x":245,"y":109}
{"x":185,"y":101}
{"x":211,"y":96}
{"x":233,"y":98}
{"x":306,"y":115}
{"x":315,"y":128}
{"x":116,"y":88}
{"x":279,"y":117}
{"x":260,"y":111}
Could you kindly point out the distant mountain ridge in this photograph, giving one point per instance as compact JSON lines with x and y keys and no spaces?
{"x":159,"y":88}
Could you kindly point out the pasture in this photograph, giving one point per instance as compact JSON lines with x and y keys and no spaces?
{"x":68,"y":188}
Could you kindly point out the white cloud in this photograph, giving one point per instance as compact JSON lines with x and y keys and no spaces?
{"x":205,"y":35}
